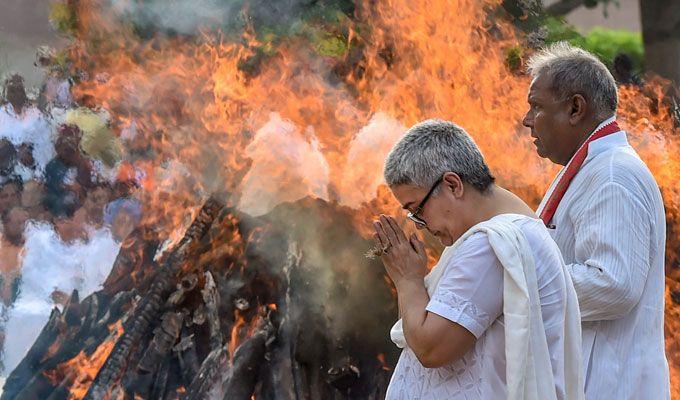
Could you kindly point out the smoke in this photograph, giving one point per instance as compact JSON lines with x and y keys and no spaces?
{"x":51,"y":265}
{"x":181,"y":16}
{"x":369,"y":148}
{"x":286,"y":167}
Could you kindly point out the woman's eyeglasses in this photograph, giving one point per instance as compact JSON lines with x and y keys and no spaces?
{"x":415,"y":215}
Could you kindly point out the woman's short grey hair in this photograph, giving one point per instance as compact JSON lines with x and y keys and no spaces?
{"x":575,"y":71}
{"x":431,"y":148}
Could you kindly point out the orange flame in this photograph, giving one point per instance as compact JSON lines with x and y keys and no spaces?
{"x":200,"y":118}
{"x":84,"y":368}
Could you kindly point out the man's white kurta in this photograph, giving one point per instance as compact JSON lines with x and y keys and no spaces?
{"x":611,"y":229}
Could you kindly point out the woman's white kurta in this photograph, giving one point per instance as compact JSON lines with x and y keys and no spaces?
{"x":469,"y":281}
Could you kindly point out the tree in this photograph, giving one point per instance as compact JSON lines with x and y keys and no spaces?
{"x":660,"y":20}
{"x":661,"y":36}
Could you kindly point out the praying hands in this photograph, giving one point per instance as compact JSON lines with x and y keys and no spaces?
{"x":404,"y":259}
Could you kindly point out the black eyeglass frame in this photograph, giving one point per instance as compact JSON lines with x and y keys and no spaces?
{"x":414,"y":216}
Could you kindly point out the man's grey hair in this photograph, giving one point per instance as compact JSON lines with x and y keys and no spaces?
{"x":431,"y":148}
{"x":575,"y":71}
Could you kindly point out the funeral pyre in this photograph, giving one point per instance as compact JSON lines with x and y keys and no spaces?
{"x":251,"y":134}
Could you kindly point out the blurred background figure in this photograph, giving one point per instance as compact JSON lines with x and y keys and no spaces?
{"x":25,"y":127}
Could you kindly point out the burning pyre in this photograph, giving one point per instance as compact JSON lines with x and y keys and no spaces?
{"x":235,"y":283}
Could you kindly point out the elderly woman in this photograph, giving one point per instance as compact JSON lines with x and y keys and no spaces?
{"x":497,"y":317}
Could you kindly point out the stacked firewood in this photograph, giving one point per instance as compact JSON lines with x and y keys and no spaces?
{"x":239,"y":307}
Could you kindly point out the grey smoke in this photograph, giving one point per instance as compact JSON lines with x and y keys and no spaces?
{"x":181,"y":16}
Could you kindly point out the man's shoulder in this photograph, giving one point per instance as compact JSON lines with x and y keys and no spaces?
{"x":620,"y":165}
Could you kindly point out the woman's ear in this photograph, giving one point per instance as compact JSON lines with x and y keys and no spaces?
{"x":453,"y":183}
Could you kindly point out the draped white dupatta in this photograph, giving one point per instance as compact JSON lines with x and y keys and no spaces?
{"x":529,"y":373}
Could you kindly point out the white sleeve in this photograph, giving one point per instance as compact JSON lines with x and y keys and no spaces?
{"x":612,"y":250}
{"x":470,"y":293}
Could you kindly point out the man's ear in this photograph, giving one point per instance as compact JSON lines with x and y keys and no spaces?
{"x":453,"y":183}
{"x":578,"y":109}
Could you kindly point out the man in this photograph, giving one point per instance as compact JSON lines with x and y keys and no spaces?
{"x":26,"y":128}
{"x":498,"y":316}
{"x":69,"y":175}
{"x":8,"y":160}
{"x":606,"y":214}
{"x":15,"y":94}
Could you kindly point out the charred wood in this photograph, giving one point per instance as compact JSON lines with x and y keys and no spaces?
{"x":246,"y":364}
{"x":62,"y":391}
{"x":165,"y":336}
{"x":186,"y":285}
{"x":19,"y":379}
{"x":278,"y":381}
{"x":133,"y":263}
{"x":152,"y":303}
{"x":161,"y":381}
{"x":212,"y":299}
{"x":207,"y":376}
{"x":39,"y":387}
{"x":72,"y":309}
{"x":187,"y":356}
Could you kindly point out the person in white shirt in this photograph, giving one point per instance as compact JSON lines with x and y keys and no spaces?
{"x":500,"y":280}
{"x":606,"y":214}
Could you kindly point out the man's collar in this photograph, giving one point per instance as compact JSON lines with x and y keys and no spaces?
{"x":598,"y":146}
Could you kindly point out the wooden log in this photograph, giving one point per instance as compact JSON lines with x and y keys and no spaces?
{"x":165,"y":336}
{"x":129,"y":268}
{"x":211,"y":298}
{"x":277,"y":379}
{"x":39,"y":387}
{"x":207,"y":377}
{"x":187,"y":356}
{"x":247,"y":360}
{"x":186,"y":285}
{"x":62,"y":391}
{"x":161,"y":381}
{"x":152,"y":303}
{"x":20,"y":377}
{"x":72,"y":309}
{"x":115,"y":308}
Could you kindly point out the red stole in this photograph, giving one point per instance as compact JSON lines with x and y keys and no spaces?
{"x":572,"y":169}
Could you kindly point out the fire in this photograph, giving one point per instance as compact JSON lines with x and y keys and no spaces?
{"x":82,"y":369}
{"x":200,"y":106}
{"x":383,"y":363}
{"x":244,"y":327}
{"x":236,"y":337}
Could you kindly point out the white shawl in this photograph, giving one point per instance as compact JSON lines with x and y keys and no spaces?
{"x":528,"y":368}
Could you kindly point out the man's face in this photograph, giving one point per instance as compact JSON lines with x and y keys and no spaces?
{"x":15,"y":92}
{"x":25,"y":154}
{"x":32,"y":195}
{"x":548,"y":120}
{"x":10,"y":196}
{"x":65,"y":149}
{"x":14,"y":226}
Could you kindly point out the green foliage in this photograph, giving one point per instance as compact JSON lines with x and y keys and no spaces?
{"x":62,"y":18}
{"x":558,"y":29}
{"x":331,"y":46}
{"x":322,"y":25}
{"x":605,"y":43}
{"x":513,"y":58}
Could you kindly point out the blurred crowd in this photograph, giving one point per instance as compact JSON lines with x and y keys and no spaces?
{"x":66,"y":199}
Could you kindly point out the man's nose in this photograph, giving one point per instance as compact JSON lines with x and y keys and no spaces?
{"x":528,"y":120}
